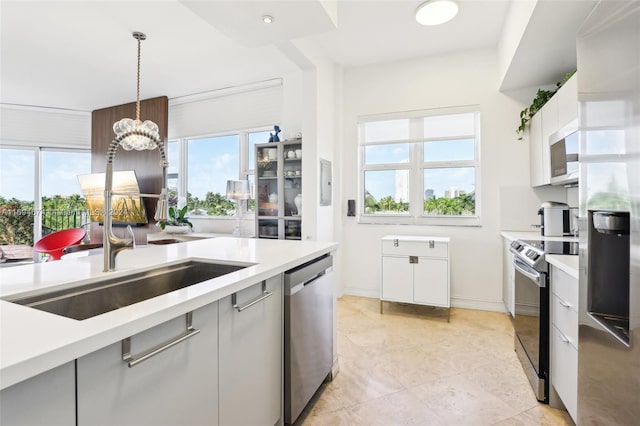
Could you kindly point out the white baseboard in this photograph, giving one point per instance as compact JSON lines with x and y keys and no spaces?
{"x":480,"y":305}
{"x":456,"y":302}
{"x":351,"y":291}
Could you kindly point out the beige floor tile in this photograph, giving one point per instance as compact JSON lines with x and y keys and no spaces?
{"x":333,"y":418}
{"x":401,"y":408}
{"x":409,"y":366}
{"x":459,"y":401}
{"x":541,"y":415}
{"x":414,"y":366}
{"x":358,"y":381}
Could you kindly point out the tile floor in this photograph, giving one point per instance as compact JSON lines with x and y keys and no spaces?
{"x":410,"y":367}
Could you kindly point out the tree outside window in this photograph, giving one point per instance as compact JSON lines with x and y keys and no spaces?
{"x":421,"y":169}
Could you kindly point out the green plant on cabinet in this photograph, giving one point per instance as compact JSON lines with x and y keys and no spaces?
{"x":542,"y":97}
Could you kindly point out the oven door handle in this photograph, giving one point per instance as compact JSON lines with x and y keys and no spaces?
{"x":535,"y":276}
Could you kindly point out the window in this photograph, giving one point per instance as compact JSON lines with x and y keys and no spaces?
{"x":199,"y":169}
{"x":421,"y":168}
{"x":39,"y":186}
{"x":17,"y":190}
{"x":63,"y":203}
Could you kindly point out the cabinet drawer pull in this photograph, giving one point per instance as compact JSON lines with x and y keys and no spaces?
{"x":563,"y":337}
{"x":260,"y":298}
{"x":563,"y":303}
{"x":133,"y":361}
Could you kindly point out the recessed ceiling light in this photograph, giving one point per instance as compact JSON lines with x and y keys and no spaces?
{"x":267,"y":19}
{"x":436,"y":12}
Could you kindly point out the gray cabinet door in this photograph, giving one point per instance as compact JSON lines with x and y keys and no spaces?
{"x":46,"y":399}
{"x":178,"y":386}
{"x":251,"y":350}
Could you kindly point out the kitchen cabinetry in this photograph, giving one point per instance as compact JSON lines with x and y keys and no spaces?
{"x":549,"y":118}
{"x":568,"y":101}
{"x":560,"y":110}
{"x":564,"y":338}
{"x":535,"y":150}
{"x":415,"y":270}
{"x":508,"y":278}
{"x":177,"y":386}
{"x":46,"y":399}
{"x":279,"y":190}
{"x":251,"y":355}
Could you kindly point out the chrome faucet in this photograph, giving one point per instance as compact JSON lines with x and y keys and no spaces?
{"x":113,"y":245}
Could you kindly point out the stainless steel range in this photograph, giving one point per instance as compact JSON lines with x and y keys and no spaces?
{"x":531,"y":313}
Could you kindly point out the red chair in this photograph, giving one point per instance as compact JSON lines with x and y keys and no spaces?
{"x":54,"y":243}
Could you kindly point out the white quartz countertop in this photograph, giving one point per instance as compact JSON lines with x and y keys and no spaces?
{"x":34,"y":341}
{"x":568,"y":264}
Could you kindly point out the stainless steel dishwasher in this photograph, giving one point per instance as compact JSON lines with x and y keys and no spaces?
{"x":308,"y":332}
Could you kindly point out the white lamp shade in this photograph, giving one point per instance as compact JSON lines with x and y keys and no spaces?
{"x":238,"y":190}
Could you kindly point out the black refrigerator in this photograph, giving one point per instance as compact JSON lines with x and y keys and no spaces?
{"x":608,"y":49}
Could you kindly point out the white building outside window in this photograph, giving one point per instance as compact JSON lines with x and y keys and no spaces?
{"x":421,"y":167}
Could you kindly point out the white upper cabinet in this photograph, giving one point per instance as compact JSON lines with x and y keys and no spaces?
{"x":549,"y":126}
{"x":568,"y":101}
{"x":535,"y":150}
{"x":559,"y":111}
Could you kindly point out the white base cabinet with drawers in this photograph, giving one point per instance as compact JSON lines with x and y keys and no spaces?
{"x":228,"y":373}
{"x":564,"y":338}
{"x":251,"y":355}
{"x":178,"y":386}
{"x":415,"y":269}
{"x":46,"y":399}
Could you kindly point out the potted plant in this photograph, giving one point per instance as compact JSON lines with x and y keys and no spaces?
{"x":177,"y":223}
{"x":538,"y":102}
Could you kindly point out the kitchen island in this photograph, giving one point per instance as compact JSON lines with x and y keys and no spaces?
{"x":33,"y":341}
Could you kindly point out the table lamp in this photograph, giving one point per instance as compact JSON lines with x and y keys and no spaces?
{"x":238,"y":190}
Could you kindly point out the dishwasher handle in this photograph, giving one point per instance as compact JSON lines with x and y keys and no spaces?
{"x":308,"y":271}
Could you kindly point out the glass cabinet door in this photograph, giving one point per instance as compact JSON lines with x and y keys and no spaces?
{"x":278,"y":190}
{"x":292,"y":171}
{"x":267,"y":159}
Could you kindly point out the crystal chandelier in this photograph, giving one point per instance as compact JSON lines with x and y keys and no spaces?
{"x":133,"y":134}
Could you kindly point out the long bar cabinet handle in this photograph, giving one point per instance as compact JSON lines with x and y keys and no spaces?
{"x":260,"y":298}
{"x":563,"y":337}
{"x":563,"y":303}
{"x":133,"y":361}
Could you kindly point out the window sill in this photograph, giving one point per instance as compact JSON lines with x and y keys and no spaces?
{"x":420,"y":221}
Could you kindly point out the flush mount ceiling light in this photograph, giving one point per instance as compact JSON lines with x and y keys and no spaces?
{"x":267,"y":19}
{"x":436,"y":12}
{"x":133,"y":134}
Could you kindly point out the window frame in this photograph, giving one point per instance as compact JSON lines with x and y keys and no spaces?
{"x":38,"y":151}
{"x":416,"y":167}
{"x":245,"y":170}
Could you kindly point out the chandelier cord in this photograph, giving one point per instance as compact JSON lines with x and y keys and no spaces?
{"x":138,"y":84}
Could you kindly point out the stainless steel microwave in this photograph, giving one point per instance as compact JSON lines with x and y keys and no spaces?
{"x":563,"y":150}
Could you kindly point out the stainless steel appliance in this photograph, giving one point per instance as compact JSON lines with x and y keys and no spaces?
{"x":531,"y":313}
{"x":563,"y":150}
{"x":555,"y":220}
{"x":308,"y":333}
{"x":608,"y":49}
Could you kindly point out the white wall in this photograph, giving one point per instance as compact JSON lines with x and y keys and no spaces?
{"x":513,"y":30}
{"x":436,"y":82}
